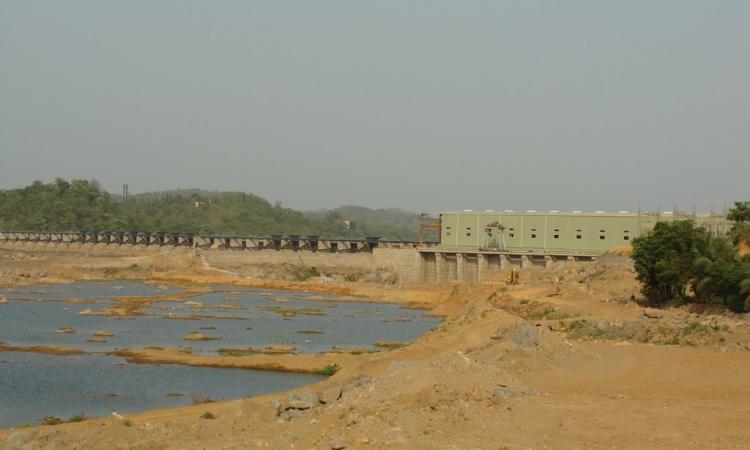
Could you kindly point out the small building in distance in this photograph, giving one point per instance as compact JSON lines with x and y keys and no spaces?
{"x":556,"y":232}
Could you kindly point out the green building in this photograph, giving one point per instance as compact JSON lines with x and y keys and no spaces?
{"x":555,"y":232}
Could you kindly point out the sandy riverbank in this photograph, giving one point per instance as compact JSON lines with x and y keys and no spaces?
{"x":566,"y":360}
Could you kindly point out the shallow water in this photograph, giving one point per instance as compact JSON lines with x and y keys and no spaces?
{"x":258,"y":321}
{"x":33,"y":385}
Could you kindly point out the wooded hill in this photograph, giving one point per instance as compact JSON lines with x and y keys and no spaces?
{"x":83,"y":205}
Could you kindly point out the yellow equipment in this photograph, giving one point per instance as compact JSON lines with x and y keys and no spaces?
{"x":512,"y":277}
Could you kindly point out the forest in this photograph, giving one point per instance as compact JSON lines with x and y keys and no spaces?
{"x":83,"y":205}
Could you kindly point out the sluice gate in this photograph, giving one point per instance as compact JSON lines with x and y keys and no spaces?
{"x":165,"y":239}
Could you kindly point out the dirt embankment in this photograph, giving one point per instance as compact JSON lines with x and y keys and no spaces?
{"x":545,"y":364}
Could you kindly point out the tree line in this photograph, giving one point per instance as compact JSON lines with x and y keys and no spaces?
{"x":679,"y":262}
{"x":82,"y":205}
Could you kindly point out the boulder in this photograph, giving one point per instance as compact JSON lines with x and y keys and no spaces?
{"x":331,"y":394}
{"x":302,"y":400}
{"x":338,"y":445}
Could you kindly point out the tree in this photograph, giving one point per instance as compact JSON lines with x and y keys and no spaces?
{"x":664,"y":259}
{"x":740,"y":212}
{"x":718,"y":274}
{"x":740,"y":215}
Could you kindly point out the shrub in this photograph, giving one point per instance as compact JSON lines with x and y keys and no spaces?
{"x":305,"y":273}
{"x":50,"y":420}
{"x":329,"y":370}
{"x":78,"y":418}
{"x":208,"y":415}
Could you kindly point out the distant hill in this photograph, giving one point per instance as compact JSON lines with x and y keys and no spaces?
{"x":393,"y":223}
{"x":84,"y":205}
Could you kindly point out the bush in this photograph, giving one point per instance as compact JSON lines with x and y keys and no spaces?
{"x":305,"y":273}
{"x":50,"y":420}
{"x":208,"y":415}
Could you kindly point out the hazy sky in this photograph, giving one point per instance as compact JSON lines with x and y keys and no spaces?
{"x":423,"y":105}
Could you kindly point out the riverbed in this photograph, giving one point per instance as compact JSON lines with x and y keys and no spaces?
{"x":36,"y":385}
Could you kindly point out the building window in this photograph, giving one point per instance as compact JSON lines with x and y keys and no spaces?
{"x":626,"y":235}
{"x":578,"y":234}
{"x":557,"y":233}
{"x":602,"y":235}
{"x":533,"y":233}
{"x":510,"y":232}
{"x":468,"y":234}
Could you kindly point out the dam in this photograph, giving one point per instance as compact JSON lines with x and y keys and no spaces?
{"x":465,"y":246}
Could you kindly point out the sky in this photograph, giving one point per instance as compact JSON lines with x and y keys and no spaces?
{"x":418,"y":104}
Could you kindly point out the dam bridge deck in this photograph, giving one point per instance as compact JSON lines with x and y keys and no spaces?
{"x":192,"y":240}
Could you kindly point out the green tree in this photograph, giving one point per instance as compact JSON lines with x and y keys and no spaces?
{"x":664,"y":259}
{"x":740,"y":215}
{"x":718,"y":274}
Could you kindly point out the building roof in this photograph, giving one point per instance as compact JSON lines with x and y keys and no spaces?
{"x":532,"y":212}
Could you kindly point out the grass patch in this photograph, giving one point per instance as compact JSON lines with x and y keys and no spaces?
{"x":127,"y":423}
{"x":208,"y":415}
{"x":329,"y":370}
